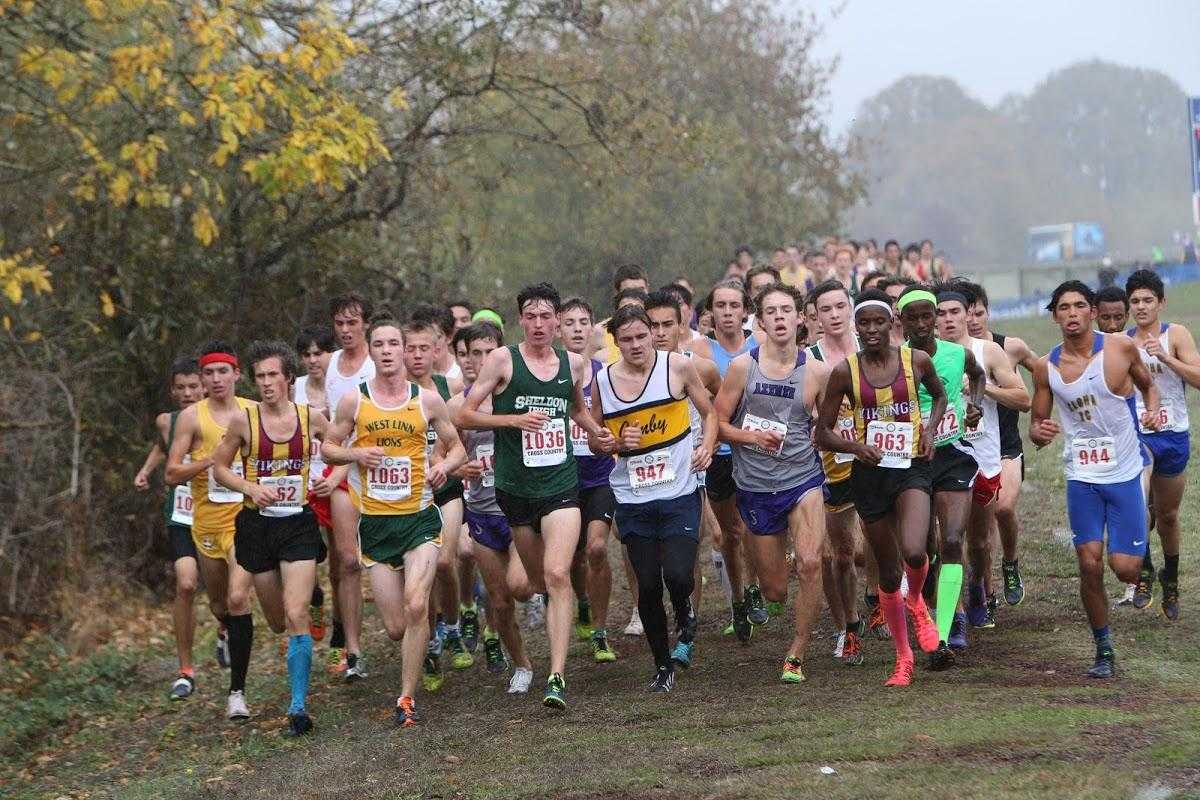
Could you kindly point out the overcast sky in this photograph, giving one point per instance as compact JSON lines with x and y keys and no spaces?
{"x":993,"y":48}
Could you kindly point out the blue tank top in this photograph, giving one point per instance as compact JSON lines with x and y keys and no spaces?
{"x":593,"y":469}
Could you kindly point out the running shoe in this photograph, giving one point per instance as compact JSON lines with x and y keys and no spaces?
{"x":941,"y":658}
{"x":634,"y":628}
{"x":583,"y":632}
{"x":358,"y":670}
{"x":519,"y":683}
{"x":756,"y":608}
{"x":1143,"y":593}
{"x":436,"y":645}
{"x":406,"y":712}
{"x":1127,"y":598}
{"x":470,"y":630}
{"x":235,"y":707}
{"x":583,"y":622}
{"x":440,"y":628}
{"x":775,"y":609}
{"x":493,"y":656}
{"x":993,"y":606}
{"x":223,"y":647}
{"x":958,"y":632}
{"x":431,"y":673}
{"x":316,"y":624}
{"x":335,"y":661}
{"x":742,"y":627}
{"x":1014,"y":587}
{"x":535,"y":612}
{"x":601,"y":652}
{"x":1106,"y":663}
{"x":556,"y":692}
{"x":728,"y":630}
{"x":682,"y":654}
{"x":664,"y":680}
{"x":976,"y":605}
{"x":182,"y":688}
{"x":840,"y":646}
{"x":299,"y":725}
{"x":1170,"y":596}
{"x":852,"y":651}
{"x":460,"y":658}
{"x":793,"y":671}
{"x":902,"y":674}
{"x":877,"y":623}
{"x":926,"y":630}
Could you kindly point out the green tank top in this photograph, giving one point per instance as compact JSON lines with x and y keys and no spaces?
{"x":453,"y":486}
{"x":169,"y":500}
{"x":536,"y":464}
{"x":950,"y":363}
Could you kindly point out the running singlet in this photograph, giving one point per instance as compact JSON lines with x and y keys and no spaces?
{"x":479,"y":494}
{"x":452,"y":484}
{"x":983,"y":443}
{"x":887,"y":417}
{"x":177,"y":507}
{"x":300,"y":397}
{"x":949,"y":361}
{"x":837,"y":465}
{"x":397,"y":486}
{"x":778,"y":405}
{"x":537,"y":464}
{"x":283,"y":465}
{"x":337,"y":384}
{"x":722,"y":357}
{"x":1011,"y":445}
{"x":593,"y":469}
{"x":1173,"y":410}
{"x":214,"y":506}
{"x":661,"y":468}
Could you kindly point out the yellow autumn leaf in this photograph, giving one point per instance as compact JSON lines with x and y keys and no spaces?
{"x":204,"y":227}
{"x":33,"y":336}
{"x":107,"y":307}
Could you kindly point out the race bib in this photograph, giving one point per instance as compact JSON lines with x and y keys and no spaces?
{"x":844,"y":427}
{"x":579,"y":441}
{"x":486,"y":453}
{"x":223,"y":494}
{"x":547,"y":447}
{"x":1093,"y":455}
{"x":1164,"y":419}
{"x":894,"y":440}
{"x":290,"y":491}
{"x":650,"y":469}
{"x":753,"y":423}
{"x":391,"y":480}
{"x":947,"y":429}
{"x":181,"y":505}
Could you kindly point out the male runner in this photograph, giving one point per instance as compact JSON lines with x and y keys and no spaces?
{"x":953,"y":468}
{"x":1112,"y":309}
{"x":890,"y":476}
{"x":534,"y":388}
{"x":440,"y":321}
{"x":468,"y":607}
{"x":186,"y":390}
{"x":689,"y":339}
{"x":503,"y":574}
{"x":198,"y":431}
{"x":393,"y":482}
{"x":596,"y":500}
{"x":1168,"y":351}
{"x":1090,"y":379}
{"x":642,"y":402}
{"x":461,"y":310}
{"x":277,"y":537}
{"x":1002,"y":388}
{"x":626,"y":277}
{"x":765,"y":411}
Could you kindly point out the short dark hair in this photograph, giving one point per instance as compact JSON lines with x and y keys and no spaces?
{"x":539,"y":291}
{"x":831,"y":285}
{"x":743,"y":249}
{"x":215,"y":346}
{"x":626,"y":315}
{"x":889,"y":243}
{"x":462,"y":303}
{"x":681,"y":293}
{"x":261,"y":350}
{"x":383,"y":318}
{"x":482,"y":330}
{"x":912,"y":248}
{"x":781,"y":288}
{"x":976,"y":294}
{"x":1145,"y":279}
{"x":629,"y":272}
{"x":663,"y":299}
{"x":1112,"y":294}
{"x":320,"y":335}
{"x":577,"y":302}
{"x":428,"y":315}
{"x":419,"y":324}
{"x":762,"y":269}
{"x":1071,"y":286}
{"x":459,"y":337}
{"x":625,"y":294}
{"x":873,"y":278}
{"x":351,"y":301}
{"x":184,"y":366}
{"x":895,"y":280}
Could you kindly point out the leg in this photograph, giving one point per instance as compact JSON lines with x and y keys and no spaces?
{"x":187,"y":577}
{"x":466,"y":569}
{"x":678,"y":561}
{"x":732,"y":531}
{"x":240,"y":624}
{"x":881,"y":541}
{"x":268,"y":586}
{"x":708,"y":532}
{"x":299,"y":578}
{"x":1167,"y":494}
{"x":806,"y":529}
{"x":646,"y":558}
{"x":215,"y":572}
{"x":952,"y":510}
{"x":447,"y":567}
{"x":348,"y":587}
{"x":560,"y":536}
{"x":493,"y":568}
{"x":420,"y":565}
{"x":843,"y":539}
{"x":599,"y":572}
{"x":768,"y":554}
{"x":1006,"y":507}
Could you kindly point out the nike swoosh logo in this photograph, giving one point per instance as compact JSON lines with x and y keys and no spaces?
{"x":564,"y":380}
{"x":1139,"y":544}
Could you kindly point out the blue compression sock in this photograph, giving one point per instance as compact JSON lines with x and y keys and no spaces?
{"x":299,"y":664}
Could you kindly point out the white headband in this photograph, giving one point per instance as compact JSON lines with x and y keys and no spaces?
{"x":873,"y":303}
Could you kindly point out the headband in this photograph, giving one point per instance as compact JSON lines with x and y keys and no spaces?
{"x":487,"y":315}
{"x":950,"y":296}
{"x":219,"y":358}
{"x":873,"y":304}
{"x":916,"y":297}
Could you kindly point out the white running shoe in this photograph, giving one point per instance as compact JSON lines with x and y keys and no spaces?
{"x":841,"y":645}
{"x":634,"y":628}
{"x":236,"y":709}
{"x":358,"y":671}
{"x":521,"y":678}
{"x":1127,"y":599}
{"x":535,"y":612}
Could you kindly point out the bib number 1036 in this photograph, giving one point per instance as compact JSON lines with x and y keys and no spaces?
{"x":546,"y":447}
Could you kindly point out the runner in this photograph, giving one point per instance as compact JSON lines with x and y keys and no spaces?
{"x":198,"y":431}
{"x":461,"y":310}
{"x":894,"y":286}
{"x":765,"y":411}
{"x":890,"y":477}
{"x":757,"y":279}
{"x":626,"y":277}
{"x":277,"y":537}
{"x":186,"y":390}
{"x":1169,"y":353}
{"x":503,"y":575}
{"x":1112,"y":309}
{"x":689,"y":339}
{"x":468,"y":583}
{"x":534,"y":388}
{"x":1101,"y":452}
{"x":953,"y":468}
{"x":654,"y":480}
{"x":393,"y":482}
{"x":1002,"y":388}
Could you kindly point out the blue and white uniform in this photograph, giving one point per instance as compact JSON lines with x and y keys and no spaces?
{"x":1170,"y":445}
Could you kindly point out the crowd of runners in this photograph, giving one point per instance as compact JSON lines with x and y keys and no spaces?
{"x":846,"y":421}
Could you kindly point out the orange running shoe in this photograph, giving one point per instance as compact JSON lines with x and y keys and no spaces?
{"x":927,"y":632}
{"x":316,"y":623}
{"x":793,"y":671}
{"x":406,"y":712}
{"x":852,"y":650}
{"x":902,"y":675}
{"x":335,"y":661}
{"x":877,"y":624}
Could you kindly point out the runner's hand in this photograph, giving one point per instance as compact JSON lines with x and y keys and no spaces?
{"x":263,"y":496}
{"x":369,"y":456}
{"x":321,"y":487}
{"x":532,"y":421}
{"x":471,"y":470}
{"x":701,"y":458}
{"x":141,"y":481}
{"x":927,"y":438}
{"x":771,"y":441}
{"x":1154,"y":348}
{"x":602,"y":442}
{"x":1043,"y":432}
{"x":436,"y":475}
{"x":972,"y":416}
{"x":631,"y":437}
{"x":1150,"y":419}
{"x":867,"y":454}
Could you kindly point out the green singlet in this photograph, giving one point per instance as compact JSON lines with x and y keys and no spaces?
{"x":169,"y":500}
{"x":536,"y":464}
{"x":453,"y":486}
{"x":950,"y":363}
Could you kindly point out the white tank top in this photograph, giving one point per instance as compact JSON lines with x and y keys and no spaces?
{"x":300,"y":397}
{"x":697,"y":420}
{"x":984,"y":441}
{"x":1101,"y":444}
{"x":337,"y":384}
{"x":1173,"y":411}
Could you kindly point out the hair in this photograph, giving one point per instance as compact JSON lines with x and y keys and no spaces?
{"x":731,"y":283}
{"x":871,"y":280}
{"x":762,"y":269}
{"x":184,"y":366}
{"x":351,"y":301}
{"x":481,"y":330}
{"x":913,"y":248}
{"x":681,"y":293}
{"x":742,"y":249}
{"x":976,"y":294}
{"x":663,"y":299}
{"x":625,"y":294}
{"x":782,"y":288}
{"x":626,"y":315}
{"x":889,"y":243}
{"x":539,"y":291}
{"x":215,"y":346}
{"x":260,"y":351}
{"x":320,"y":335}
{"x":428,"y":315}
{"x":418,"y":324}
{"x":462,"y":302}
{"x":1145,"y":279}
{"x":831,"y":285}
{"x":629,"y":272}
{"x":459,"y":337}
{"x":873,"y":294}
{"x":915,"y":287}
{"x":573,"y":303}
{"x":895,"y":280}
{"x":1113,"y":294}
{"x":382,"y":319}
{"x":1071,"y":286}
{"x":846,"y":248}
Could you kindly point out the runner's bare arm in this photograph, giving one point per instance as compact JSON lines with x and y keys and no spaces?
{"x":581,"y":369}
{"x":1020,"y":353}
{"x":927,"y":376}
{"x":1007,"y":388}
{"x":600,"y":443}
{"x":1042,"y":429}
{"x":439,"y":419}
{"x":816,"y":377}
{"x":493,"y":376}
{"x":976,"y":380}
{"x":156,"y":456}
{"x":1183,"y":357}
{"x":702,"y":348}
{"x":710,"y":376}
{"x":1144,"y":383}
{"x":726,"y":406}
{"x":237,"y":435}
{"x":332,"y":448}
{"x":181,"y":445}
{"x":694,"y":389}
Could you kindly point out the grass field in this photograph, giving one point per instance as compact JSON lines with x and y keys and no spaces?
{"x":1015,"y":719}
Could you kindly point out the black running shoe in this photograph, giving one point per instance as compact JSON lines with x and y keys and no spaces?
{"x":1143,"y":593}
{"x":470,"y":630}
{"x":1106,"y":663}
{"x":942,"y":658}
{"x":756,"y":608}
{"x":664,"y":680}
{"x":493,"y":656}
{"x":299,"y":724}
{"x":1014,"y":587}
{"x":741,"y":623}
{"x":1170,"y":596}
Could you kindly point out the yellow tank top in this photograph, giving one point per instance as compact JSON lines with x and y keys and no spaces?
{"x":214,"y":506}
{"x":284,"y":465}
{"x":397,"y":486}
